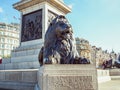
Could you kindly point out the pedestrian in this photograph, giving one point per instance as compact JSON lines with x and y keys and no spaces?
{"x":0,"y":60}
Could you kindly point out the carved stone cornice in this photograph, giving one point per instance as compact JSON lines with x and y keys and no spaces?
{"x":56,"y":3}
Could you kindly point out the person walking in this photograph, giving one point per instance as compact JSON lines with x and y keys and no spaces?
{"x":0,"y":60}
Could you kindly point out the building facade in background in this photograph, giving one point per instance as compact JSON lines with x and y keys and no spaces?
{"x":95,"y":54}
{"x":83,"y":47}
{"x":9,"y":38}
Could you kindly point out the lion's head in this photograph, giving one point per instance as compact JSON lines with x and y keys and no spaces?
{"x":62,"y":28}
{"x":59,"y":28}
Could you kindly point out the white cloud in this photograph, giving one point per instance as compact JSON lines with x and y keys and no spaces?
{"x":1,"y":10}
{"x":71,"y":5}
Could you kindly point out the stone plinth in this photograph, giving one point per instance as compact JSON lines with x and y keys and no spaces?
{"x":18,"y":79}
{"x":67,"y":77}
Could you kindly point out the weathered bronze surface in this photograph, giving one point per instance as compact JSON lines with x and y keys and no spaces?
{"x":31,"y":26}
{"x":107,"y":64}
{"x":59,"y":45}
{"x":117,"y":62}
{"x":111,"y":63}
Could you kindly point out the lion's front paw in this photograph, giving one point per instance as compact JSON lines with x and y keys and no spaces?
{"x":50,"y":61}
{"x":47,"y":61}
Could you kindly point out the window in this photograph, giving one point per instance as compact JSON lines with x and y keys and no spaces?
{"x":1,"y":33}
{"x":2,"y":45}
{"x":2,"y":39}
{"x":7,"y":40}
{"x":2,"y":26}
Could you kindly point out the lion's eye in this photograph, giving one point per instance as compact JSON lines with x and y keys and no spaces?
{"x":50,"y":24}
{"x":67,"y":31}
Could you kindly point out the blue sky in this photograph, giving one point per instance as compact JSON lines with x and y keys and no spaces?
{"x":7,"y":13}
{"x":98,"y":21}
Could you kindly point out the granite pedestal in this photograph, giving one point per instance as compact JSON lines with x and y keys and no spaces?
{"x":67,"y":77}
{"x":18,"y":79}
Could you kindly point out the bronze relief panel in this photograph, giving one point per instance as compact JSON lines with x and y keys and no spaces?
{"x":31,"y":26}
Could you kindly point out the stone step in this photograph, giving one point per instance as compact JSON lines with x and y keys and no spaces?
{"x":18,"y":79}
{"x":115,"y":77}
{"x":115,"y":72}
{"x":20,"y":65}
{"x":25,"y":58}
{"x":16,"y":86}
{"x":25,"y":54}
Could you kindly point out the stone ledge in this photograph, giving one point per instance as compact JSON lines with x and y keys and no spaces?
{"x":30,"y":47}
{"x":17,"y":85}
{"x":24,"y":79}
{"x":114,"y":72}
{"x":29,"y":58}
{"x":21,"y":76}
{"x":20,"y":65}
{"x":102,"y":73}
{"x":115,"y":77}
{"x":56,"y":3}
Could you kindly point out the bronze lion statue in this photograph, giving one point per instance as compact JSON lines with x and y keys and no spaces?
{"x":59,"y":45}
